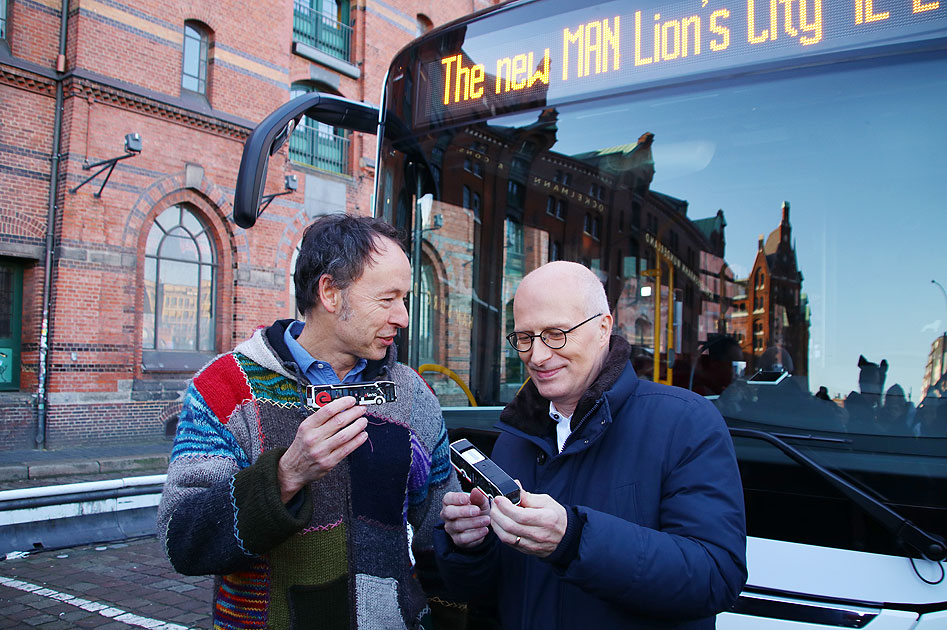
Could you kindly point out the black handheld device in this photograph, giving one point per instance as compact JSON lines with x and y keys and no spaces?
{"x":471,"y":464}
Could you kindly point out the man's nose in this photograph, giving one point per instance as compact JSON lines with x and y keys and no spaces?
{"x":399,"y":315}
{"x":539,"y":352}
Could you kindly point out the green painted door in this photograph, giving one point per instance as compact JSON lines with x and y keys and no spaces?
{"x":11,"y":310}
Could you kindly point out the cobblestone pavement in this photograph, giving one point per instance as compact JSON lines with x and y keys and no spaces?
{"x":110,"y":586}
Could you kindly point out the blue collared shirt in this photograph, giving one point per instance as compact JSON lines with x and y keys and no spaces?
{"x":318,"y":372}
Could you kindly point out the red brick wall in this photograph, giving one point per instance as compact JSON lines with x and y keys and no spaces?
{"x":125,"y":60}
{"x":37,"y":31}
{"x":17,"y":421}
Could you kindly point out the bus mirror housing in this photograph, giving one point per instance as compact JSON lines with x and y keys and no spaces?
{"x":267,"y":138}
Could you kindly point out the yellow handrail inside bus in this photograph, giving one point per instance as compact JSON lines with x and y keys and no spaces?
{"x":434,"y":367}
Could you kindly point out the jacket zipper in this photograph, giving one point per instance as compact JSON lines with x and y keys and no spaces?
{"x":585,"y":419}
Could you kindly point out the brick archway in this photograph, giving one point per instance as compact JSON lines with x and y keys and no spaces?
{"x":209,"y":202}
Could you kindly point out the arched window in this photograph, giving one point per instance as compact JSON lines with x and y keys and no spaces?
{"x":318,"y":144}
{"x":424,"y":25}
{"x":428,"y":314}
{"x":194,"y":65}
{"x":180,"y":284}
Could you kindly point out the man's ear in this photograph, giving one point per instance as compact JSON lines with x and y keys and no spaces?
{"x":330,"y":296}
{"x":605,"y":329}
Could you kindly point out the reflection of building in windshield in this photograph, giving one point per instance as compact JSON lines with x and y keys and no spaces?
{"x":771,"y":315}
{"x":596,"y":208}
{"x":936,"y":367}
{"x":666,"y":276}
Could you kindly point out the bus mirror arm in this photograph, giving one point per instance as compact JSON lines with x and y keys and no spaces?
{"x":929,"y":546}
{"x":267,"y":138}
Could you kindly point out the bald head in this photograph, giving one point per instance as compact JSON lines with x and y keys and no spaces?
{"x":571,"y":284}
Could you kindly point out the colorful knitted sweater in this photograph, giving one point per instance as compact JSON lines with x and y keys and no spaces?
{"x":337,"y":557}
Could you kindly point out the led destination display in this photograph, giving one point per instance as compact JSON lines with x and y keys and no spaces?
{"x":618,"y":44}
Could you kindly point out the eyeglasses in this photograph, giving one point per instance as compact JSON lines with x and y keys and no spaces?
{"x":554,"y":338}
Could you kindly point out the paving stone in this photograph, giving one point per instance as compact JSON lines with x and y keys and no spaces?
{"x":187,"y":618}
{"x":76,"y":615}
{"x":59,"y":624}
{"x":43,"y":603}
{"x":182,"y":588}
{"x":9,"y":609}
{"x":157,"y":611}
{"x":196,"y":579}
{"x":81,"y":587}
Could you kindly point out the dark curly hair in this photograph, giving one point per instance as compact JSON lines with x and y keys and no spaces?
{"x":338,"y":246}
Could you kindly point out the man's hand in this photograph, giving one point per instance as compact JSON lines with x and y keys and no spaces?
{"x":535,"y":526}
{"x":322,"y":440}
{"x":466,"y":517}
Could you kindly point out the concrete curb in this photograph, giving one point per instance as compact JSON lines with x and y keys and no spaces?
{"x":16,"y":472}
{"x":42,"y":470}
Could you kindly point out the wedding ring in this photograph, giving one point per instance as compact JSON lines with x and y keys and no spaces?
{"x":517,"y":541}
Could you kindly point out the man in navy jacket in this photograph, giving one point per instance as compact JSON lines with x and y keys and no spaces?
{"x":631,"y":514}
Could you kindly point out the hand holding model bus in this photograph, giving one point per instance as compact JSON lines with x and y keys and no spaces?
{"x":322,"y":440}
{"x":466,"y":517}
{"x":535,"y":526}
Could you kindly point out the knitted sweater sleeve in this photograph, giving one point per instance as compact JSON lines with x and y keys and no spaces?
{"x":435,"y":478}
{"x":218,"y":512}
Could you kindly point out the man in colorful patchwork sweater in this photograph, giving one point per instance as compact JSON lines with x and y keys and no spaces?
{"x":306,"y":516}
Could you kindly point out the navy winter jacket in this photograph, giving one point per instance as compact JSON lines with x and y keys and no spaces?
{"x":657,"y":535}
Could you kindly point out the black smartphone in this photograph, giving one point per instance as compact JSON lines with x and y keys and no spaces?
{"x":481,"y":471}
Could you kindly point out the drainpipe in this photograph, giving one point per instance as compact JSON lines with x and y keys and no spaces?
{"x":42,"y":393}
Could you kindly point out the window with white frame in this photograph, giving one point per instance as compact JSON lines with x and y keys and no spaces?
{"x":180,"y":284}
{"x":194,"y":64}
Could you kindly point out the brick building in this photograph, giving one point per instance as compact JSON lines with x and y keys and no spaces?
{"x":554,"y":208}
{"x":109,"y":301}
{"x":771,"y":314}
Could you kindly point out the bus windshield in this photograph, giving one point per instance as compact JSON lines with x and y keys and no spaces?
{"x":770,"y":232}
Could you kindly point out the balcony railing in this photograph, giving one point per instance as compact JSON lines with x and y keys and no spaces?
{"x":320,"y":31}
{"x":324,"y":150}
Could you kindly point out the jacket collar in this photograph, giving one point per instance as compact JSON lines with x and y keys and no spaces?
{"x":529,"y":411}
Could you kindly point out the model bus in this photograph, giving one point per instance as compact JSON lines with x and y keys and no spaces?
{"x":480,"y":471}
{"x":760,"y":187}
{"x":370,"y":393}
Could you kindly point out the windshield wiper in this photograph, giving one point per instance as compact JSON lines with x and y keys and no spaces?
{"x":928,"y":545}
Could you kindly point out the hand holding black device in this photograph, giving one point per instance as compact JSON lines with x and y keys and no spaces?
{"x":471,"y":464}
